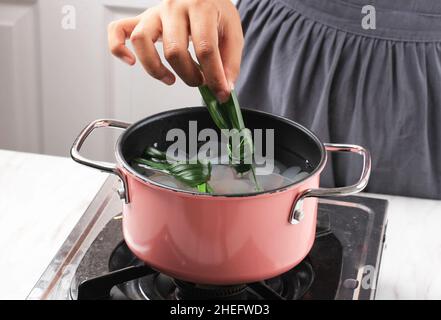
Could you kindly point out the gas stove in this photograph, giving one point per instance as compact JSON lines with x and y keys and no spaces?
{"x":95,"y":263}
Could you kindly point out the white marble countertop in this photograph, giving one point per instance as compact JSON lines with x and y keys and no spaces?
{"x":412,"y":255}
{"x":42,"y":198}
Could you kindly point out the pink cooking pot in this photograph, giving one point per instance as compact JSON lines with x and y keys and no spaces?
{"x":220,"y":239}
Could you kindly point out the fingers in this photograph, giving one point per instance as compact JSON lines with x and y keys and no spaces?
{"x":175,"y":33}
{"x":143,"y":38}
{"x":217,"y":39}
{"x":231,"y":46}
{"x":204,"y":33}
{"x":117,"y":33}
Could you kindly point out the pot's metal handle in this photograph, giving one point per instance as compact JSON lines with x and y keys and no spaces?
{"x":297,"y":213}
{"x":100,"y":165}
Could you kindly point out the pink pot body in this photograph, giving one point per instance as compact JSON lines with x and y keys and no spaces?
{"x":217,"y":240}
{"x":210,"y":239}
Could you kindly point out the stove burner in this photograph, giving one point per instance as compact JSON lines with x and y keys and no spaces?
{"x":134,"y":280}
{"x":316,"y":277}
{"x":158,"y":286}
{"x":191,"y":291}
{"x":129,"y":278}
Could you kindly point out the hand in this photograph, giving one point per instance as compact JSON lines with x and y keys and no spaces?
{"x":216,"y":33}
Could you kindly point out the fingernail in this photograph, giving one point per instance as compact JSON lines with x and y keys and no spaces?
{"x":168,"y":80}
{"x":222,"y":96}
{"x":231,"y":84}
{"x":127,"y":60}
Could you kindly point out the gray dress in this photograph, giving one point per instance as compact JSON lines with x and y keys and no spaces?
{"x":311,"y":61}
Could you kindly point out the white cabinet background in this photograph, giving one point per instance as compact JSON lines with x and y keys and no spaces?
{"x":54,"y":81}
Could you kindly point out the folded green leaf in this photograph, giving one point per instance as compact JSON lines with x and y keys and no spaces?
{"x":234,"y":114}
{"x":217,"y":114}
{"x":151,"y":152}
{"x":191,"y":174}
{"x":229,"y":116}
{"x":151,"y":163}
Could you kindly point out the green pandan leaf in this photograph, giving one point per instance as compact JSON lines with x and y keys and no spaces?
{"x":195,"y":175}
{"x":192,"y":174}
{"x":229,"y":116}
{"x":151,"y":163}
{"x":152,"y":152}
{"x":234,"y":113}
{"x":205,"y":188}
{"x":217,"y":114}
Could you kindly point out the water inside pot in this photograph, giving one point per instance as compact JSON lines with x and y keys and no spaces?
{"x":288,"y":169}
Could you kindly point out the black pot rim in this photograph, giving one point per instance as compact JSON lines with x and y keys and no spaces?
{"x":120,"y":159}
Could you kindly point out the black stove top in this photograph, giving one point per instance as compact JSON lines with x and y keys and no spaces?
{"x":348,"y":245}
